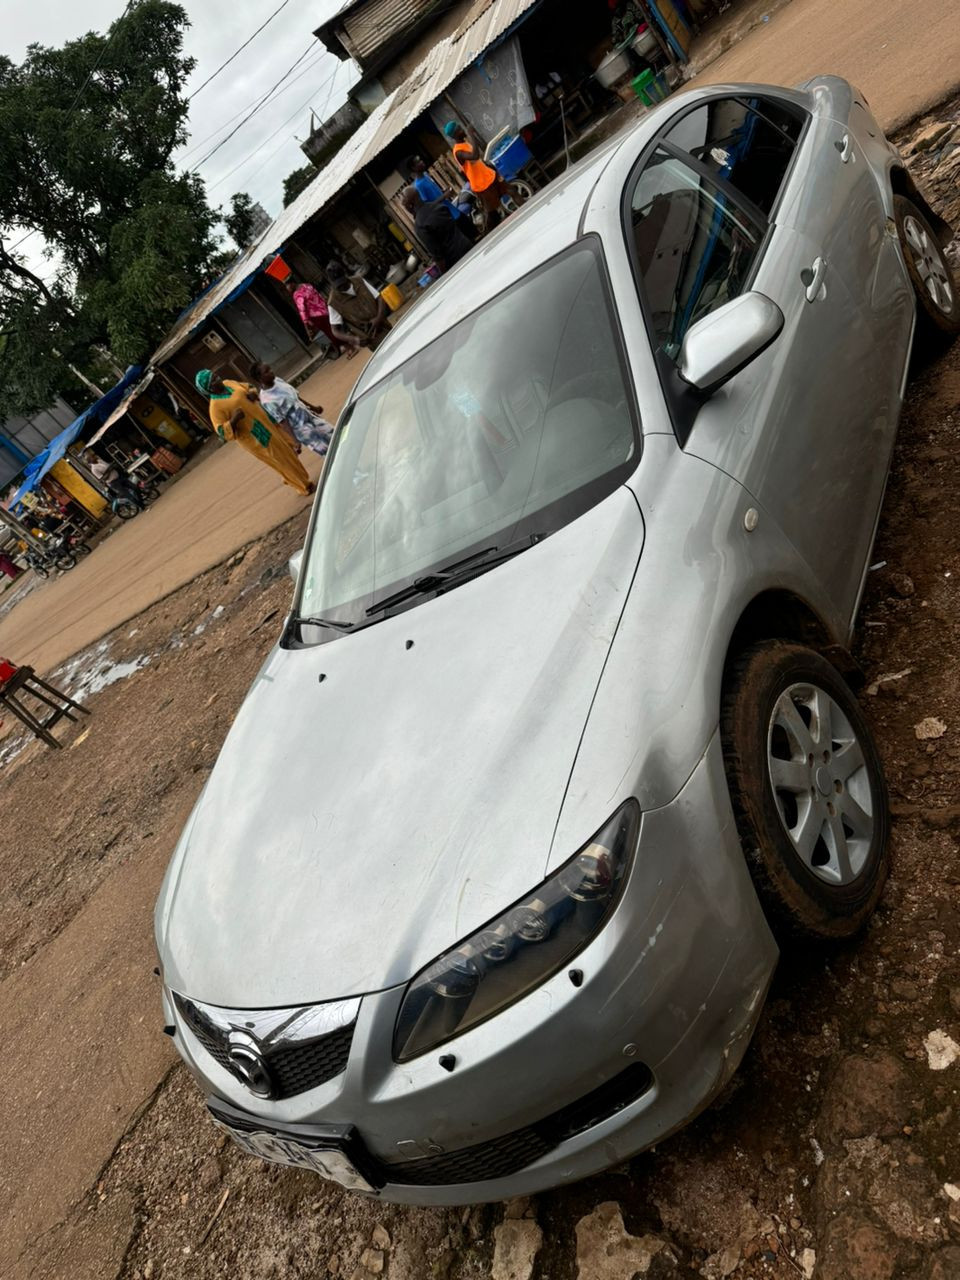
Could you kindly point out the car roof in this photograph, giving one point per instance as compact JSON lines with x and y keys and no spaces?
{"x":545,"y":226}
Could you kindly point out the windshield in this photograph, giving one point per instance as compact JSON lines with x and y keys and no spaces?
{"x":507,"y":427}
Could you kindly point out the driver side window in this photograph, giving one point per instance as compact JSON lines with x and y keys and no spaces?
{"x":694,"y":248}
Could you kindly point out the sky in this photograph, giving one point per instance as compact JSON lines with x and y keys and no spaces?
{"x":218,"y":28}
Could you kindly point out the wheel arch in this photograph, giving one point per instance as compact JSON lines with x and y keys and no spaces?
{"x":902,"y":184}
{"x":780,"y":614}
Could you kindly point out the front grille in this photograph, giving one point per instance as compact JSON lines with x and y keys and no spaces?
{"x":500,"y":1157}
{"x":293,"y":1068}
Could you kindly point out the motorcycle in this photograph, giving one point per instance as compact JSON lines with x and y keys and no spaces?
{"x":130,"y":496}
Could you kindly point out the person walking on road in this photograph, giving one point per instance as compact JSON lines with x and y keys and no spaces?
{"x":354,"y":302}
{"x":315,"y":314}
{"x":436,"y":228}
{"x":284,"y":406}
{"x":237,"y":414}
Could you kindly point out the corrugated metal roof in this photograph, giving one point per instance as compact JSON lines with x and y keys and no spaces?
{"x":370,"y":26}
{"x":447,"y":59}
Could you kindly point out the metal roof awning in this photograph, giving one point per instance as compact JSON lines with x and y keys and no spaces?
{"x":122,"y":407}
{"x":56,"y":450}
{"x":448,"y":59}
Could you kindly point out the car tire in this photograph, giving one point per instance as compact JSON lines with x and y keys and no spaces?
{"x":934,"y":285}
{"x":808,"y":791}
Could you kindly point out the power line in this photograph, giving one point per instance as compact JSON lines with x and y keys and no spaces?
{"x":197,"y":146}
{"x":256,"y":108}
{"x":238,"y":51}
{"x":100,"y":57}
{"x":279,"y":128}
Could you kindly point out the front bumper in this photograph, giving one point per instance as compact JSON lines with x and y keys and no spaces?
{"x":571,"y":1079}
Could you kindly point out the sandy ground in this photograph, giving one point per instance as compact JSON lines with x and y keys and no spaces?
{"x":834,"y":1154}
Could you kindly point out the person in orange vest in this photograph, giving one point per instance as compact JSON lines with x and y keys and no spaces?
{"x":485,"y":183}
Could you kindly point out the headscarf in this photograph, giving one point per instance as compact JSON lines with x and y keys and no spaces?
{"x":450,"y":128}
{"x":203,"y":380}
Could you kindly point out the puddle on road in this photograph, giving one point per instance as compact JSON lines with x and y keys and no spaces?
{"x":93,"y":671}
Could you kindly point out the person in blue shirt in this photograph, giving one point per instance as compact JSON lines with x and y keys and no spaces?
{"x":428,"y":190}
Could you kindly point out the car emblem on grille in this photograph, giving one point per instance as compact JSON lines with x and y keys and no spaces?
{"x":245,"y":1060}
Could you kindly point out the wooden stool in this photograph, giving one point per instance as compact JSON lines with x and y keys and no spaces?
{"x":24,"y":682}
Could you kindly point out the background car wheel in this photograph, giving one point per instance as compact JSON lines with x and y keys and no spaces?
{"x":938,"y":299}
{"x":808,"y":791}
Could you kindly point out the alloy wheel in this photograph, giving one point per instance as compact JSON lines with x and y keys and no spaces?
{"x":821,"y":784}
{"x":931,"y":267}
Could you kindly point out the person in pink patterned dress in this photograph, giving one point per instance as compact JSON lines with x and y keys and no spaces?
{"x":315,"y":314}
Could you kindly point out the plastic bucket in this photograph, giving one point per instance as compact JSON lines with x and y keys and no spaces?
{"x":510,"y":157}
{"x":392,"y":297}
{"x":649,"y":88}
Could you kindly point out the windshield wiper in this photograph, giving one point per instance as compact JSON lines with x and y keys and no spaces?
{"x":461,"y":571}
{"x":297,"y":621}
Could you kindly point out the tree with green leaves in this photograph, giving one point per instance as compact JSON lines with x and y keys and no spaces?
{"x":298,"y":181}
{"x":239,"y":221}
{"x":87,"y":134}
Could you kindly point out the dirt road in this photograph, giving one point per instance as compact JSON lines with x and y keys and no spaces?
{"x":221,"y":504}
{"x":902,"y":55}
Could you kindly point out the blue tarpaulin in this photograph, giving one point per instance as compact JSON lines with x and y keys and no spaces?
{"x":38,"y":467}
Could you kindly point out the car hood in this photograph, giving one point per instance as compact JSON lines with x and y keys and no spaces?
{"x":375,"y":801}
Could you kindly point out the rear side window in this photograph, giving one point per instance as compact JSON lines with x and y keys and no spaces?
{"x":748,"y":142}
{"x":694,"y":247}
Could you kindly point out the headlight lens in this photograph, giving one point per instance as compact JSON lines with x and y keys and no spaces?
{"x":521,"y":948}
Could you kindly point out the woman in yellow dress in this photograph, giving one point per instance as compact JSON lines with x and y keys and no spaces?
{"x":236,"y":414}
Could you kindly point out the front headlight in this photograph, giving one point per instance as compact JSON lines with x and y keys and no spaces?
{"x":521,"y":948}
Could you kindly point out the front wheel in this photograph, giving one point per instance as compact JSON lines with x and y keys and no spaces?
{"x":66,"y":561}
{"x":126,"y":509}
{"x":938,"y":303}
{"x":82,"y":549}
{"x":150,"y":494}
{"x":41,"y":570}
{"x":808,"y":791}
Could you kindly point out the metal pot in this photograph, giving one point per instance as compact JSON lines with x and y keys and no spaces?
{"x":615,"y":66}
{"x":412,"y":262}
{"x":397,"y":273}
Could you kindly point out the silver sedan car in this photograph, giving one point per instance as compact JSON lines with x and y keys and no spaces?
{"x":484,"y":890}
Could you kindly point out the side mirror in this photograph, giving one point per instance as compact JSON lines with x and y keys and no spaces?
{"x":293,"y":565}
{"x":725,"y":341}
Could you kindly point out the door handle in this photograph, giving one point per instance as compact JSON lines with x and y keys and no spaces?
{"x":845,"y":147}
{"x":812,"y":278}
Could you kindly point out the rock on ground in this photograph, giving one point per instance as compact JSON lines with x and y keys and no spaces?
{"x":606,"y":1250}
{"x":518,"y":1242}
{"x":868,"y":1096}
{"x":854,"y":1249}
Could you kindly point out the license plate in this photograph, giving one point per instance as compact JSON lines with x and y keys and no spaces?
{"x":328,"y":1162}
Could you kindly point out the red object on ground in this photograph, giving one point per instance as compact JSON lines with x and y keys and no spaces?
{"x":278,"y":269}
{"x":7,"y":669}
